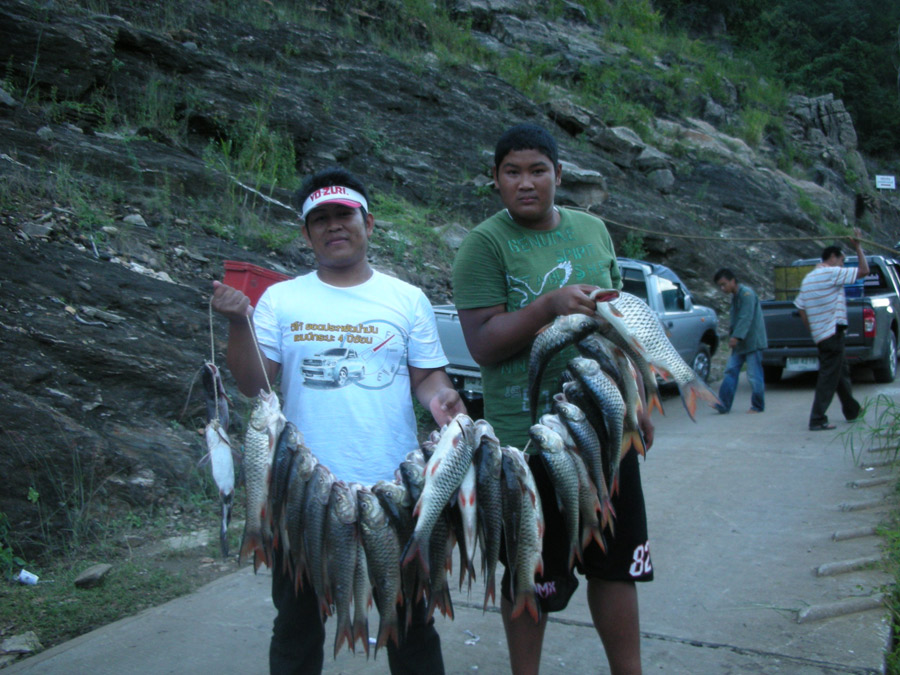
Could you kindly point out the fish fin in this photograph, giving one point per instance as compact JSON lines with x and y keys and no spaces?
{"x":361,"y":632}
{"x":654,"y":401}
{"x":432,"y":467}
{"x":490,"y":592}
{"x":694,"y":390}
{"x":527,"y":601}
{"x":635,"y":440}
{"x":416,"y":547}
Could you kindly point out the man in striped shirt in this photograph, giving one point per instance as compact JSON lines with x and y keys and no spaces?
{"x":823,"y":308}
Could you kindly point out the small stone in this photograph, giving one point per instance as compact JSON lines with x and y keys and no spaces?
{"x":135,"y":219}
{"x":93,"y":575}
{"x":23,"y":643}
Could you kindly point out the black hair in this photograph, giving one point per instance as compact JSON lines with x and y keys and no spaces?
{"x":326,"y":178}
{"x":526,"y":137}
{"x":829,"y":251}
{"x":724,"y":273}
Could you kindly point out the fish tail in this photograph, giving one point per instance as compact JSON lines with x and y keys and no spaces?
{"x":526,"y":600}
{"x":635,"y":440}
{"x":490,"y":592}
{"x":387,"y":630}
{"x":416,"y":547}
{"x":343,"y":634}
{"x":653,"y":401}
{"x":251,"y":542}
{"x":692,"y":391}
{"x":361,"y":632}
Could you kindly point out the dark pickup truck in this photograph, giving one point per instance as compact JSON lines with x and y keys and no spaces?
{"x":690,"y":327}
{"x":871,"y":337}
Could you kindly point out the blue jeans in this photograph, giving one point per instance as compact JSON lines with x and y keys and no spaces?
{"x":754,"y":374}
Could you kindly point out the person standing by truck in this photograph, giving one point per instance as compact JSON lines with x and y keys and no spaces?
{"x":361,"y":430}
{"x":823,"y":308}
{"x":515,"y":273}
{"x":747,"y":339}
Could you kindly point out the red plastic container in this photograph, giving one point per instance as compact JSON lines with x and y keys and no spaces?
{"x":252,"y":280}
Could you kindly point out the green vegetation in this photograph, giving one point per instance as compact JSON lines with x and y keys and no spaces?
{"x":412,"y":229}
{"x":820,"y":46}
{"x":878,"y":429}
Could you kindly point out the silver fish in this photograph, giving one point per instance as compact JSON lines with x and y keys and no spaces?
{"x":528,"y":539}
{"x":589,"y":447}
{"x":382,"y":545}
{"x":301,"y":472}
{"x":318,"y":496}
{"x":487,"y":460}
{"x":362,"y":599}
{"x":565,"y":330}
{"x":443,"y":474}
{"x":564,"y":477}
{"x":340,"y":554}
{"x":221,"y":461}
{"x":607,"y":396}
{"x":266,"y":423}
{"x":640,"y":326}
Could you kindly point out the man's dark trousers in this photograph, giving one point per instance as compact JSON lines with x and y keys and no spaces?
{"x":298,"y":634}
{"x":834,"y":378}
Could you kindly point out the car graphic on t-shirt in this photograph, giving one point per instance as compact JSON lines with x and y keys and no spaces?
{"x":336,"y":365}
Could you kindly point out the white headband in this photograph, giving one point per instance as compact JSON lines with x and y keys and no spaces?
{"x":334,"y":194}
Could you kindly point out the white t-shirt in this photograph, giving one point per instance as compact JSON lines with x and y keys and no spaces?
{"x":344,"y":355}
{"x":822,"y":297}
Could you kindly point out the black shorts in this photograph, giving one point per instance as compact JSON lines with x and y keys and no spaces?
{"x":627,"y":556}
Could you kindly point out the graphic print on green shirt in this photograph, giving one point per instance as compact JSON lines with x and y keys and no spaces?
{"x":502,"y":263}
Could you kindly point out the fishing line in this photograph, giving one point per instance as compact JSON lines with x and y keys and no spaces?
{"x":212,"y":357}
{"x":259,"y":354}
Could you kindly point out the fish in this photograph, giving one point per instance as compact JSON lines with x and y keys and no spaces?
{"x":362,"y":599}
{"x":382,"y":547}
{"x":315,"y":511}
{"x":528,"y":540}
{"x":511,"y":490}
{"x":287,"y":447}
{"x":443,"y":475}
{"x":340,"y":556}
{"x":468,"y":509}
{"x":564,"y":477}
{"x":441,"y":547}
{"x":266,"y":423}
{"x":608,"y":398}
{"x":217,"y":403}
{"x":301,"y":473}
{"x":640,"y":326}
{"x":589,"y":504}
{"x":397,"y":503}
{"x":487,"y":460}
{"x":645,"y":370}
{"x":563,"y":331}
{"x":221,"y":458}
{"x":589,"y":447}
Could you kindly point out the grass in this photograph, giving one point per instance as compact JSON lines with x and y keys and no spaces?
{"x":878,"y":428}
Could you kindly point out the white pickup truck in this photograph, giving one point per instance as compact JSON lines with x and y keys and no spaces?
{"x":690,"y":327}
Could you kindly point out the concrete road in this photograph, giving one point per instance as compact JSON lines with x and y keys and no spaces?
{"x":750,"y":577}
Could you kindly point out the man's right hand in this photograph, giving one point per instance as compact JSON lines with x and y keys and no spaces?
{"x":231,"y":303}
{"x":574,"y":299}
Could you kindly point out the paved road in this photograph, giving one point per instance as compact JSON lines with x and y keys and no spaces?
{"x":743,"y":510}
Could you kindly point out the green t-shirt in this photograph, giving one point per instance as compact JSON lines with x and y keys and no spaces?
{"x":501,"y":262}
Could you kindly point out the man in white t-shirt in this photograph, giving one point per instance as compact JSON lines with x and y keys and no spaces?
{"x":823,"y":308}
{"x":351,"y":345}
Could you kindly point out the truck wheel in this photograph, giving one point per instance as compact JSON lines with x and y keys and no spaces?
{"x":701,"y":362}
{"x":885,"y":369}
{"x":341,"y":379}
{"x":772,"y":373}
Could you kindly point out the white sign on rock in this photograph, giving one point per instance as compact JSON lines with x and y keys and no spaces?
{"x":885,"y":182}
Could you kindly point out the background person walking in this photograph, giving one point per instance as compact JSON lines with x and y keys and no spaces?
{"x":823,"y":308}
{"x":747,"y":340}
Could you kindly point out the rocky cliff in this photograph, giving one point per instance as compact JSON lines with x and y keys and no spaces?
{"x":120,"y":199}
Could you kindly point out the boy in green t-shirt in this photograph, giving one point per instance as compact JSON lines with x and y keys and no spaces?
{"x":515,"y":273}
